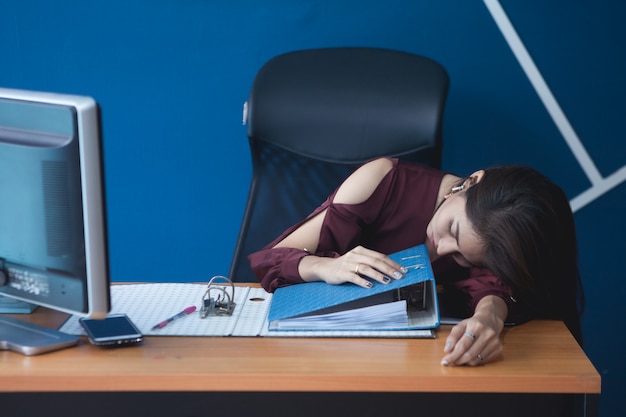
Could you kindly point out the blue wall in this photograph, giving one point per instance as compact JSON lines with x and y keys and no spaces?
{"x":171,"y":77}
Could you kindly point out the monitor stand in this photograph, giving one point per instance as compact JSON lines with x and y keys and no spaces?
{"x":32,"y":339}
{"x":12,"y":306}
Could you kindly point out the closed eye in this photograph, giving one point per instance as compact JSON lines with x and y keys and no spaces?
{"x":458,"y":257}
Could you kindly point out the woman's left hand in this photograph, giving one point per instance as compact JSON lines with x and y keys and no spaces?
{"x":476,"y":341}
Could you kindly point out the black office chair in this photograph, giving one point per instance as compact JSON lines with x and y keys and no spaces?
{"x":314,"y":116}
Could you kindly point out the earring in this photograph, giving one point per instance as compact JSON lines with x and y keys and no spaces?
{"x":454,"y":190}
{"x":457,"y":188}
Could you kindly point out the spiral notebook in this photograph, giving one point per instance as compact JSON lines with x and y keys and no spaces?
{"x":150,"y":303}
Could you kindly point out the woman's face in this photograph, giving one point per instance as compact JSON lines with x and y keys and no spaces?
{"x":450,"y":233}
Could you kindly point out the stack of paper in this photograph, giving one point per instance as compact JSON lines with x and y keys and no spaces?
{"x":382,"y":316}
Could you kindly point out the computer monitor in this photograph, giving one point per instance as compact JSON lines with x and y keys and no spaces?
{"x":53,"y":236}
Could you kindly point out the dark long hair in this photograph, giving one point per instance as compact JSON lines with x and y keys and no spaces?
{"x":526,"y":224}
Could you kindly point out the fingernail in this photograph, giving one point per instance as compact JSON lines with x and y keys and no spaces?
{"x":369,"y":285}
{"x":386,"y":280}
{"x":444,"y":362}
{"x":404,"y":270}
{"x":447,"y":346}
{"x":397,"y":274}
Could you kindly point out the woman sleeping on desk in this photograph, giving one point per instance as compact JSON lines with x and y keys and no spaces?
{"x":502,"y":238}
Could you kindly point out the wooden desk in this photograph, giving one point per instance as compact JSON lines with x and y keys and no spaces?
{"x":543,"y":370}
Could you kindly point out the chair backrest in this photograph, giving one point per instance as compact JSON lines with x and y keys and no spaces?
{"x":313,"y":116}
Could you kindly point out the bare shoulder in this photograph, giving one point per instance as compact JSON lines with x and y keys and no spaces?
{"x":360,"y":185}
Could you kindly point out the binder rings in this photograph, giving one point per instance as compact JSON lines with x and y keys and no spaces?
{"x":315,"y":302}
{"x":149,"y":303}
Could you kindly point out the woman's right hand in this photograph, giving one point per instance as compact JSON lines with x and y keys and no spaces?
{"x":354,"y":266}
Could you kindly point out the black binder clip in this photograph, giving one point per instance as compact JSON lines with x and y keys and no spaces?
{"x":415,"y":296}
{"x":219,"y":298}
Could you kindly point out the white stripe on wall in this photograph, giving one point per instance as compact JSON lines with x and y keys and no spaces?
{"x":599,"y":185}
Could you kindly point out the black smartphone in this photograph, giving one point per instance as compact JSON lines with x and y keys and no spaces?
{"x":116,"y":330}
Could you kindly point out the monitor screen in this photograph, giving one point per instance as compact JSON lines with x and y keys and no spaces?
{"x":53,"y":245}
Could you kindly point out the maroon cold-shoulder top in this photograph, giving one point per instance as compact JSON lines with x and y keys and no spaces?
{"x":393,"y":218}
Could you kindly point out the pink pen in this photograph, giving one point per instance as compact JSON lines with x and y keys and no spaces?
{"x":183,"y":313}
